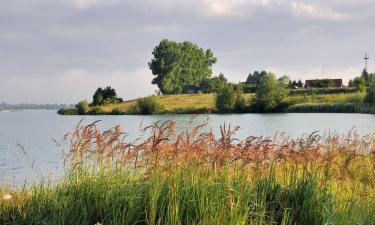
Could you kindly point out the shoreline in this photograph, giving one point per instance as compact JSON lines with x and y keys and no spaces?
{"x":361,"y":108}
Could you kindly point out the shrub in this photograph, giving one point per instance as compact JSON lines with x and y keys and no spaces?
{"x":360,"y":84}
{"x":148,"y":106}
{"x":82,"y":107}
{"x":240,"y":103}
{"x":225,"y":98}
{"x":68,"y":111}
{"x":370,"y":97}
{"x":97,"y":110}
{"x":117,"y":111}
{"x":269,"y":94}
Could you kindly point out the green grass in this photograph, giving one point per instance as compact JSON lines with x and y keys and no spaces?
{"x":332,"y":108}
{"x":204,"y":103}
{"x":193,"y":177}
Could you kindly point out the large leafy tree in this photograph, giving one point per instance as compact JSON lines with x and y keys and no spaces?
{"x":256,"y":77}
{"x":180,"y":63}
{"x":270,"y":93}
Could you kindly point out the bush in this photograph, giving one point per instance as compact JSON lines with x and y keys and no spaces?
{"x":82,"y":107}
{"x":269,"y":94}
{"x":370,"y":97}
{"x":225,"y":98}
{"x":117,"y":111}
{"x":68,"y":111}
{"x":148,"y":106}
{"x":240,"y":103}
{"x":97,"y":110}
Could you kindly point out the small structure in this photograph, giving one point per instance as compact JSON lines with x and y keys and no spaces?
{"x":190,"y":89}
{"x":322,"y":83}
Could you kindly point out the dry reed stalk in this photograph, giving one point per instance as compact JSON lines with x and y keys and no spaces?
{"x":162,"y":147}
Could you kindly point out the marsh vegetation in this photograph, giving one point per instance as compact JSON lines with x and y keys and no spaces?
{"x":194,"y":177}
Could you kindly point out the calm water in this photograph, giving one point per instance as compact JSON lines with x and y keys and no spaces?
{"x":35,"y":130}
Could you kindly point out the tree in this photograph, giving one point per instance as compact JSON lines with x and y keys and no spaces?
{"x":350,"y":83}
{"x":255,"y":77}
{"x":269,"y":94}
{"x":284,"y":80}
{"x":300,"y":84}
{"x":176,"y":64}
{"x":82,"y":107}
{"x":365,"y":76}
{"x":370,"y":96}
{"x":359,"y":83}
{"x":106,"y":95}
{"x":97,"y":99}
{"x":225,"y":98}
{"x":211,"y":85}
{"x":240,"y":102}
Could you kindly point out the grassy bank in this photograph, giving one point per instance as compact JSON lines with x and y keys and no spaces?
{"x":193,"y":177}
{"x":332,"y":108}
{"x":204,"y":103}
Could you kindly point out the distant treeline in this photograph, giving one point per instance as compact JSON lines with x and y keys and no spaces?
{"x":33,"y":106}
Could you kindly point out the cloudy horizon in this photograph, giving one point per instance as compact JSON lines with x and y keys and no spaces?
{"x":61,"y":51}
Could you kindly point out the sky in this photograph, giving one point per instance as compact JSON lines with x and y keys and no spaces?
{"x":60,"y":51}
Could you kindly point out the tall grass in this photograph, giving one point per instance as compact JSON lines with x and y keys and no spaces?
{"x":332,"y":108}
{"x":193,"y":177}
{"x":357,"y":97}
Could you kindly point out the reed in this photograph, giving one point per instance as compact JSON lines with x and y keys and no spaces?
{"x":169,"y":176}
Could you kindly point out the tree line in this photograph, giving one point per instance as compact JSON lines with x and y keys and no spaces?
{"x":179,"y":67}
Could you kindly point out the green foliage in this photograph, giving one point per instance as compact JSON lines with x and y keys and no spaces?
{"x":82,"y":107}
{"x":357,"y":97}
{"x":269,"y":94}
{"x":360,"y":84}
{"x":332,"y":108}
{"x":67,"y":111}
{"x":325,"y":83}
{"x":107,"y":95}
{"x":117,"y":111}
{"x":148,"y":106}
{"x":256,"y":77}
{"x":176,"y":64}
{"x":212,"y":85}
{"x":366,"y":76}
{"x":240,"y":103}
{"x":321,"y":91}
{"x":96,"y":110}
{"x":370,"y":97}
{"x":225,"y":98}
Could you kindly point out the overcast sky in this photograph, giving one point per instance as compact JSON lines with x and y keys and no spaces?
{"x":60,"y":51}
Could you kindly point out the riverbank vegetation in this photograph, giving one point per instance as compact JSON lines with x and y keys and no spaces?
{"x":171,"y":176}
{"x":185,"y":68}
{"x":205,"y":103}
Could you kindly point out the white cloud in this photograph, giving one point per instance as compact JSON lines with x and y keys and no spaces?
{"x":73,"y":85}
{"x":87,"y":4}
{"x":314,"y":12}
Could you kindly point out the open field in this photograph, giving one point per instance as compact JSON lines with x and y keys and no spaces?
{"x":206,"y":102}
{"x":193,"y":177}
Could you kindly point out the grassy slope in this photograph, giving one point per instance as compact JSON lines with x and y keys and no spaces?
{"x":180,"y":103}
{"x":174,"y":102}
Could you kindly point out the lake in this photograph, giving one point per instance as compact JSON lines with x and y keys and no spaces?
{"x":36,"y":129}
